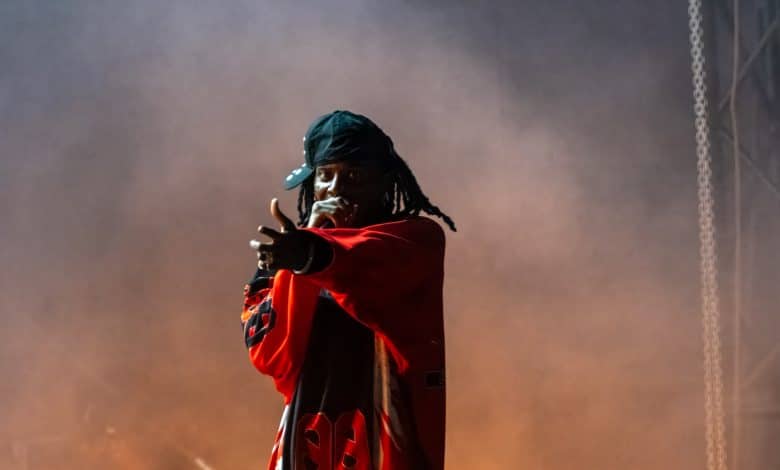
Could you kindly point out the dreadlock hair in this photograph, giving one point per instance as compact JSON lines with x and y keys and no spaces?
{"x":403,"y":197}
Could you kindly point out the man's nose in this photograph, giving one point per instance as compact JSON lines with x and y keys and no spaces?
{"x":336,"y":186}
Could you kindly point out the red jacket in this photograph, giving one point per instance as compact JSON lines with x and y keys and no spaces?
{"x":357,"y":350}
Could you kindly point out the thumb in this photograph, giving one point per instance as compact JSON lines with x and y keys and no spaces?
{"x":287,"y":224}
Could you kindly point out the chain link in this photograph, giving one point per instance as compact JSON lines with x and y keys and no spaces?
{"x":713,"y":374}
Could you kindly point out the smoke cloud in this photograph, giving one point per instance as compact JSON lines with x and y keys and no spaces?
{"x":142,"y":142}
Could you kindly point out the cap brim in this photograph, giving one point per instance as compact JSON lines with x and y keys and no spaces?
{"x":297,"y":176}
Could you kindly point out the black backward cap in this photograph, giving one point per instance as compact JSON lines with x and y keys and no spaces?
{"x":338,"y":136}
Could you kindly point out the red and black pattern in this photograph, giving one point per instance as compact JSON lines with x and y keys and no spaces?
{"x":258,"y":316}
{"x":261,"y":320}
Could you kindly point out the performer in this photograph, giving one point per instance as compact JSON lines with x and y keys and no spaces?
{"x":344,"y":312}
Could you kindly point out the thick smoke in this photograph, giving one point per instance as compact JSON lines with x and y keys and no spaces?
{"x":142,"y":142}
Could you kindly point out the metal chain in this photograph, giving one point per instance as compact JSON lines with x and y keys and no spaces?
{"x":736,"y":395}
{"x":713,"y":374}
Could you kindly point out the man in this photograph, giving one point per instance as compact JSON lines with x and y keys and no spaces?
{"x":345,"y":310}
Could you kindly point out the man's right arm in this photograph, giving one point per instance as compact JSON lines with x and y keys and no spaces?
{"x":276,"y":320}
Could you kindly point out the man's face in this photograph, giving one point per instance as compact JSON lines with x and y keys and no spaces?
{"x":355,"y":185}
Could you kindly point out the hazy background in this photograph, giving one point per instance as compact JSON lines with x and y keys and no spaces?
{"x":140,"y":143}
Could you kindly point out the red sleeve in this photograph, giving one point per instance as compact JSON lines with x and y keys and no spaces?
{"x":277,"y":322}
{"x":389,"y":277}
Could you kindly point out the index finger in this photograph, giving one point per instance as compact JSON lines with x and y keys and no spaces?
{"x":269,"y":232}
